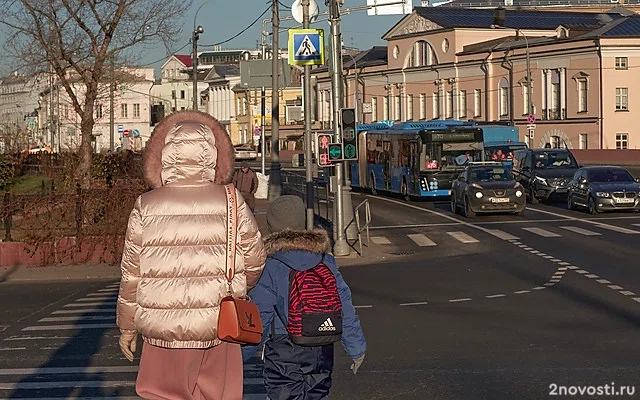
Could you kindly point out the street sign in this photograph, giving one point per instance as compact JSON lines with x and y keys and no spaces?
{"x":531,"y":119}
{"x":532,"y":133}
{"x":296,"y":11}
{"x":136,"y":133}
{"x":322,"y":149}
{"x":120,"y":129}
{"x":125,"y":133}
{"x":335,"y":151}
{"x":531,"y":126}
{"x":306,"y":46}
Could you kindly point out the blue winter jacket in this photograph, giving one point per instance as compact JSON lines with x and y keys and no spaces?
{"x":301,"y":250}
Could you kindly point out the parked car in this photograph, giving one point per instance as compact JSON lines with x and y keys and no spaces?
{"x":604,"y":189}
{"x":487,"y":187}
{"x":544,"y":173}
{"x":245,"y":153}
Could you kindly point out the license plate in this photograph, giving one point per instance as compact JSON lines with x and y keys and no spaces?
{"x":561,"y":190}
{"x":499,"y":200}
{"x":626,"y":201}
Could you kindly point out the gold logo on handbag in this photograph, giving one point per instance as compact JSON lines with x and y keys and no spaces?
{"x":239,"y":318}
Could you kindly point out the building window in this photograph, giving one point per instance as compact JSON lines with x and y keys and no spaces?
{"x":173,"y":94}
{"x":525,"y":98}
{"x":436,"y":106}
{"x":555,"y":142}
{"x":423,"y":106}
{"x":423,"y":54}
{"x":99,"y":111}
{"x":124,"y":111}
{"x":410,"y":107}
{"x":463,"y":104}
{"x":622,"y":99}
{"x":504,"y":102}
{"x":584,"y":144}
{"x":374,"y":109}
{"x":136,"y":111}
{"x":622,"y":141}
{"x":182,"y":94}
{"x":582,"y":95}
{"x":397,"y":108}
{"x":622,"y":63}
{"x":385,"y":108}
{"x":448,"y":112}
{"x":477,"y":103}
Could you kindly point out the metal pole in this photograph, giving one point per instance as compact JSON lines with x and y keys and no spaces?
{"x":263,"y":144}
{"x":194,"y":62}
{"x":307,"y":125}
{"x":52,"y":122}
{"x":275,"y":178}
{"x":111,"y":105}
{"x":340,"y":248}
{"x":529,"y":87}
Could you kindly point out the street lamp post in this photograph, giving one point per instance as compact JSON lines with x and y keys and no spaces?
{"x":196,"y":35}
{"x":275,"y":177}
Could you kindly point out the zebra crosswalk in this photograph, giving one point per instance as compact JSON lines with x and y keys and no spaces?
{"x":78,"y":356}
{"x":437,"y":236}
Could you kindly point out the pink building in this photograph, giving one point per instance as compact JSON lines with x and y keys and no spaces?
{"x":455,"y":63}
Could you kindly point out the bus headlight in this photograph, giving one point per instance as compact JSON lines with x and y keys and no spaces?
{"x":518,"y":193}
{"x":479,"y":195}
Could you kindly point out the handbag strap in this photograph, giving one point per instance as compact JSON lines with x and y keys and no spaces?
{"x":232,"y":228}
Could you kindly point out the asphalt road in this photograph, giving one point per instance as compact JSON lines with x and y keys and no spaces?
{"x":497,"y":307}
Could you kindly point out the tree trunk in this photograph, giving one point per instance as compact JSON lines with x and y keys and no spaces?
{"x":83,"y":173}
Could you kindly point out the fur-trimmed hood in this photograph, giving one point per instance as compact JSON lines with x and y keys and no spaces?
{"x":314,"y":241}
{"x":188,"y":146}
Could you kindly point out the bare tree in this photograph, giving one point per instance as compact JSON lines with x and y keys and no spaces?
{"x":77,"y":40}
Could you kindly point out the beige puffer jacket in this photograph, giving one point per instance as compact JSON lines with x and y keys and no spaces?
{"x":173,"y":265}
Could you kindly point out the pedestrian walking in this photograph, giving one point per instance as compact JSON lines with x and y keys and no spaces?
{"x":174,"y":261}
{"x":246,"y":181}
{"x":305,"y":307}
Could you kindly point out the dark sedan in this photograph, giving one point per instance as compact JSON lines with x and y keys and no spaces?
{"x":487,"y":187}
{"x":604,"y":189}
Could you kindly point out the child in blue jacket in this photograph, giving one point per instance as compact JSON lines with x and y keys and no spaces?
{"x":292,"y":371}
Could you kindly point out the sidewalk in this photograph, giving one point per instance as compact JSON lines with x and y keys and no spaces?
{"x":112,"y":272}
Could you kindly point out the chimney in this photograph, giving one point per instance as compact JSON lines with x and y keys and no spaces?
{"x":498,"y":16}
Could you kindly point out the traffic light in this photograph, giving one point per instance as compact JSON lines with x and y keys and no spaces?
{"x":349,"y":136}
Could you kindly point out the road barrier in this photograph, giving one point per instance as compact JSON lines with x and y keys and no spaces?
{"x":360,"y":225}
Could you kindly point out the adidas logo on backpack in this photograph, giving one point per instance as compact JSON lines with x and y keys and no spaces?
{"x":315,"y":308}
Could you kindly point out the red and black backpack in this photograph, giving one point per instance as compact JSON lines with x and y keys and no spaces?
{"x":315,"y":308}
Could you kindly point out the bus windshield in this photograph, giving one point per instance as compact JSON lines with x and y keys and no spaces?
{"x":437,"y":156}
{"x":501,"y":153}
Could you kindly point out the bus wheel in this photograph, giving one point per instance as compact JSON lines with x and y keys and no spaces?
{"x":372,"y":185}
{"x":405,"y":191}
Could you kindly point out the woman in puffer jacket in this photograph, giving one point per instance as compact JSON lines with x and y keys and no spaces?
{"x":173,"y":264}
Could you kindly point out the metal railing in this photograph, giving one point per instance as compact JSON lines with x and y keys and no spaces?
{"x":295,"y":184}
{"x":361,"y":226}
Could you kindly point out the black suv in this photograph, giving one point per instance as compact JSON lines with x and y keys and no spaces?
{"x":544,"y":173}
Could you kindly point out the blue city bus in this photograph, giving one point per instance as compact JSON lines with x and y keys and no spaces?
{"x":500,"y":142}
{"x":415,"y":159}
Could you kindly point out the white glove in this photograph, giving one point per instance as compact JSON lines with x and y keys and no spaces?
{"x":128,"y":342}
{"x":355,"y":364}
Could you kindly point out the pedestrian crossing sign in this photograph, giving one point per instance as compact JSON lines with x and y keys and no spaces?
{"x":306,"y":46}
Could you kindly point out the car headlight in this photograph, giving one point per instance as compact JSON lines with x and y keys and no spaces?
{"x":603,"y":194}
{"x":542,"y":180}
{"x":479,"y":195}
{"x":518,"y":193}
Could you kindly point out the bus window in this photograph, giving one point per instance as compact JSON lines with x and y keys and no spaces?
{"x":501,"y":153}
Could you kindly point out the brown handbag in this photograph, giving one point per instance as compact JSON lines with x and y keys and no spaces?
{"x":239,"y":318}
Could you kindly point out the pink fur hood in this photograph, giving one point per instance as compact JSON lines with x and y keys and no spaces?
{"x":188,"y":146}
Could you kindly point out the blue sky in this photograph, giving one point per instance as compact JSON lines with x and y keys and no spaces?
{"x":222,"y":19}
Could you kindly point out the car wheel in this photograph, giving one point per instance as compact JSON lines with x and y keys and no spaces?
{"x":570,"y":204}
{"x":454,"y":203}
{"x":531,"y":197}
{"x":405,"y":191}
{"x":593,"y":209}
{"x":372,"y":185}
{"x":468,"y":212}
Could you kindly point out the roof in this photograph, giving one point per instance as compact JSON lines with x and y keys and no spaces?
{"x":457,"y":17}
{"x":377,"y":55}
{"x":227,"y":70}
{"x":507,"y":42}
{"x":623,"y":27}
{"x":183,"y":58}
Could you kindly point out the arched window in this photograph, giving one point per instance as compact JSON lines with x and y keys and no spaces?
{"x":503,"y":99}
{"x":422,"y":55}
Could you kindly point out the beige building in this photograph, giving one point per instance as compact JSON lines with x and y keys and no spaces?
{"x":453,"y":63}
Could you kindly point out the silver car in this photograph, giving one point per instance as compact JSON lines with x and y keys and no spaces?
{"x":603,"y":189}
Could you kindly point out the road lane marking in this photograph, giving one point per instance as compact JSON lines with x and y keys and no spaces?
{"x":582,"y":271}
{"x":572,"y":267}
{"x":637,"y":299}
{"x":67,"y":370}
{"x":541,"y":232}
{"x":86,"y":310}
{"x":592,"y":276}
{"x":522,"y":291}
{"x":502,"y":234}
{"x":380,"y":240}
{"x":620,"y":229}
{"x":603,"y":281}
{"x":555,"y":260}
{"x":421,"y":240}
{"x":12,"y":348}
{"x":494,"y":296}
{"x":588,"y":221}
{"x":90,"y":299}
{"x":462,"y":237}
{"x":68,"y":327}
{"x":627,"y":293}
{"x":549,"y":284}
{"x":104,"y":294}
{"x":79,"y":318}
{"x":581,"y":231}
{"x":418,"y":303}
{"x":635,"y":224}
{"x":539,"y":288}
{"x":87,"y":384}
{"x":459,"y":300}
{"x":615,"y":287}
{"x":104,"y":303}
{"x":365,"y":306}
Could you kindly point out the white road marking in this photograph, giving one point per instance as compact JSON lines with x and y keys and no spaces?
{"x":105,"y":303}
{"x":40,"y":338}
{"x":104,"y":294}
{"x":462,"y":237}
{"x":581,"y":231}
{"x":78,"y":318}
{"x":89,"y":299}
{"x":549,"y":284}
{"x":367,"y":306}
{"x":421,"y":240}
{"x":562,"y":268}
{"x":637,"y":299}
{"x":616,"y":287}
{"x":592,"y":276}
{"x":493,"y":296}
{"x":541,"y":232}
{"x":582,"y":271}
{"x":603,"y":281}
{"x":547,"y":257}
{"x":627,"y":293}
{"x":459,"y":300}
{"x":588,"y":221}
{"x":419,"y":303}
{"x":539,"y":288}
{"x":68,"y":327}
{"x":380,"y":240}
{"x":85,"y":310}
{"x":521,"y":291}
{"x":564,"y":263}
{"x":620,"y":229}
{"x":12,"y":348}
{"x":66,"y":370}
{"x":109,"y":290}
{"x":635,"y":224}
{"x":555,"y":260}
{"x":572,"y":267}
{"x":502,"y":234}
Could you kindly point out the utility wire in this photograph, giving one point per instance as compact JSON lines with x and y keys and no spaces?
{"x":242,"y":31}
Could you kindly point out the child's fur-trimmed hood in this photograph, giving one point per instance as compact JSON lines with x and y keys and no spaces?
{"x":314,"y":241}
